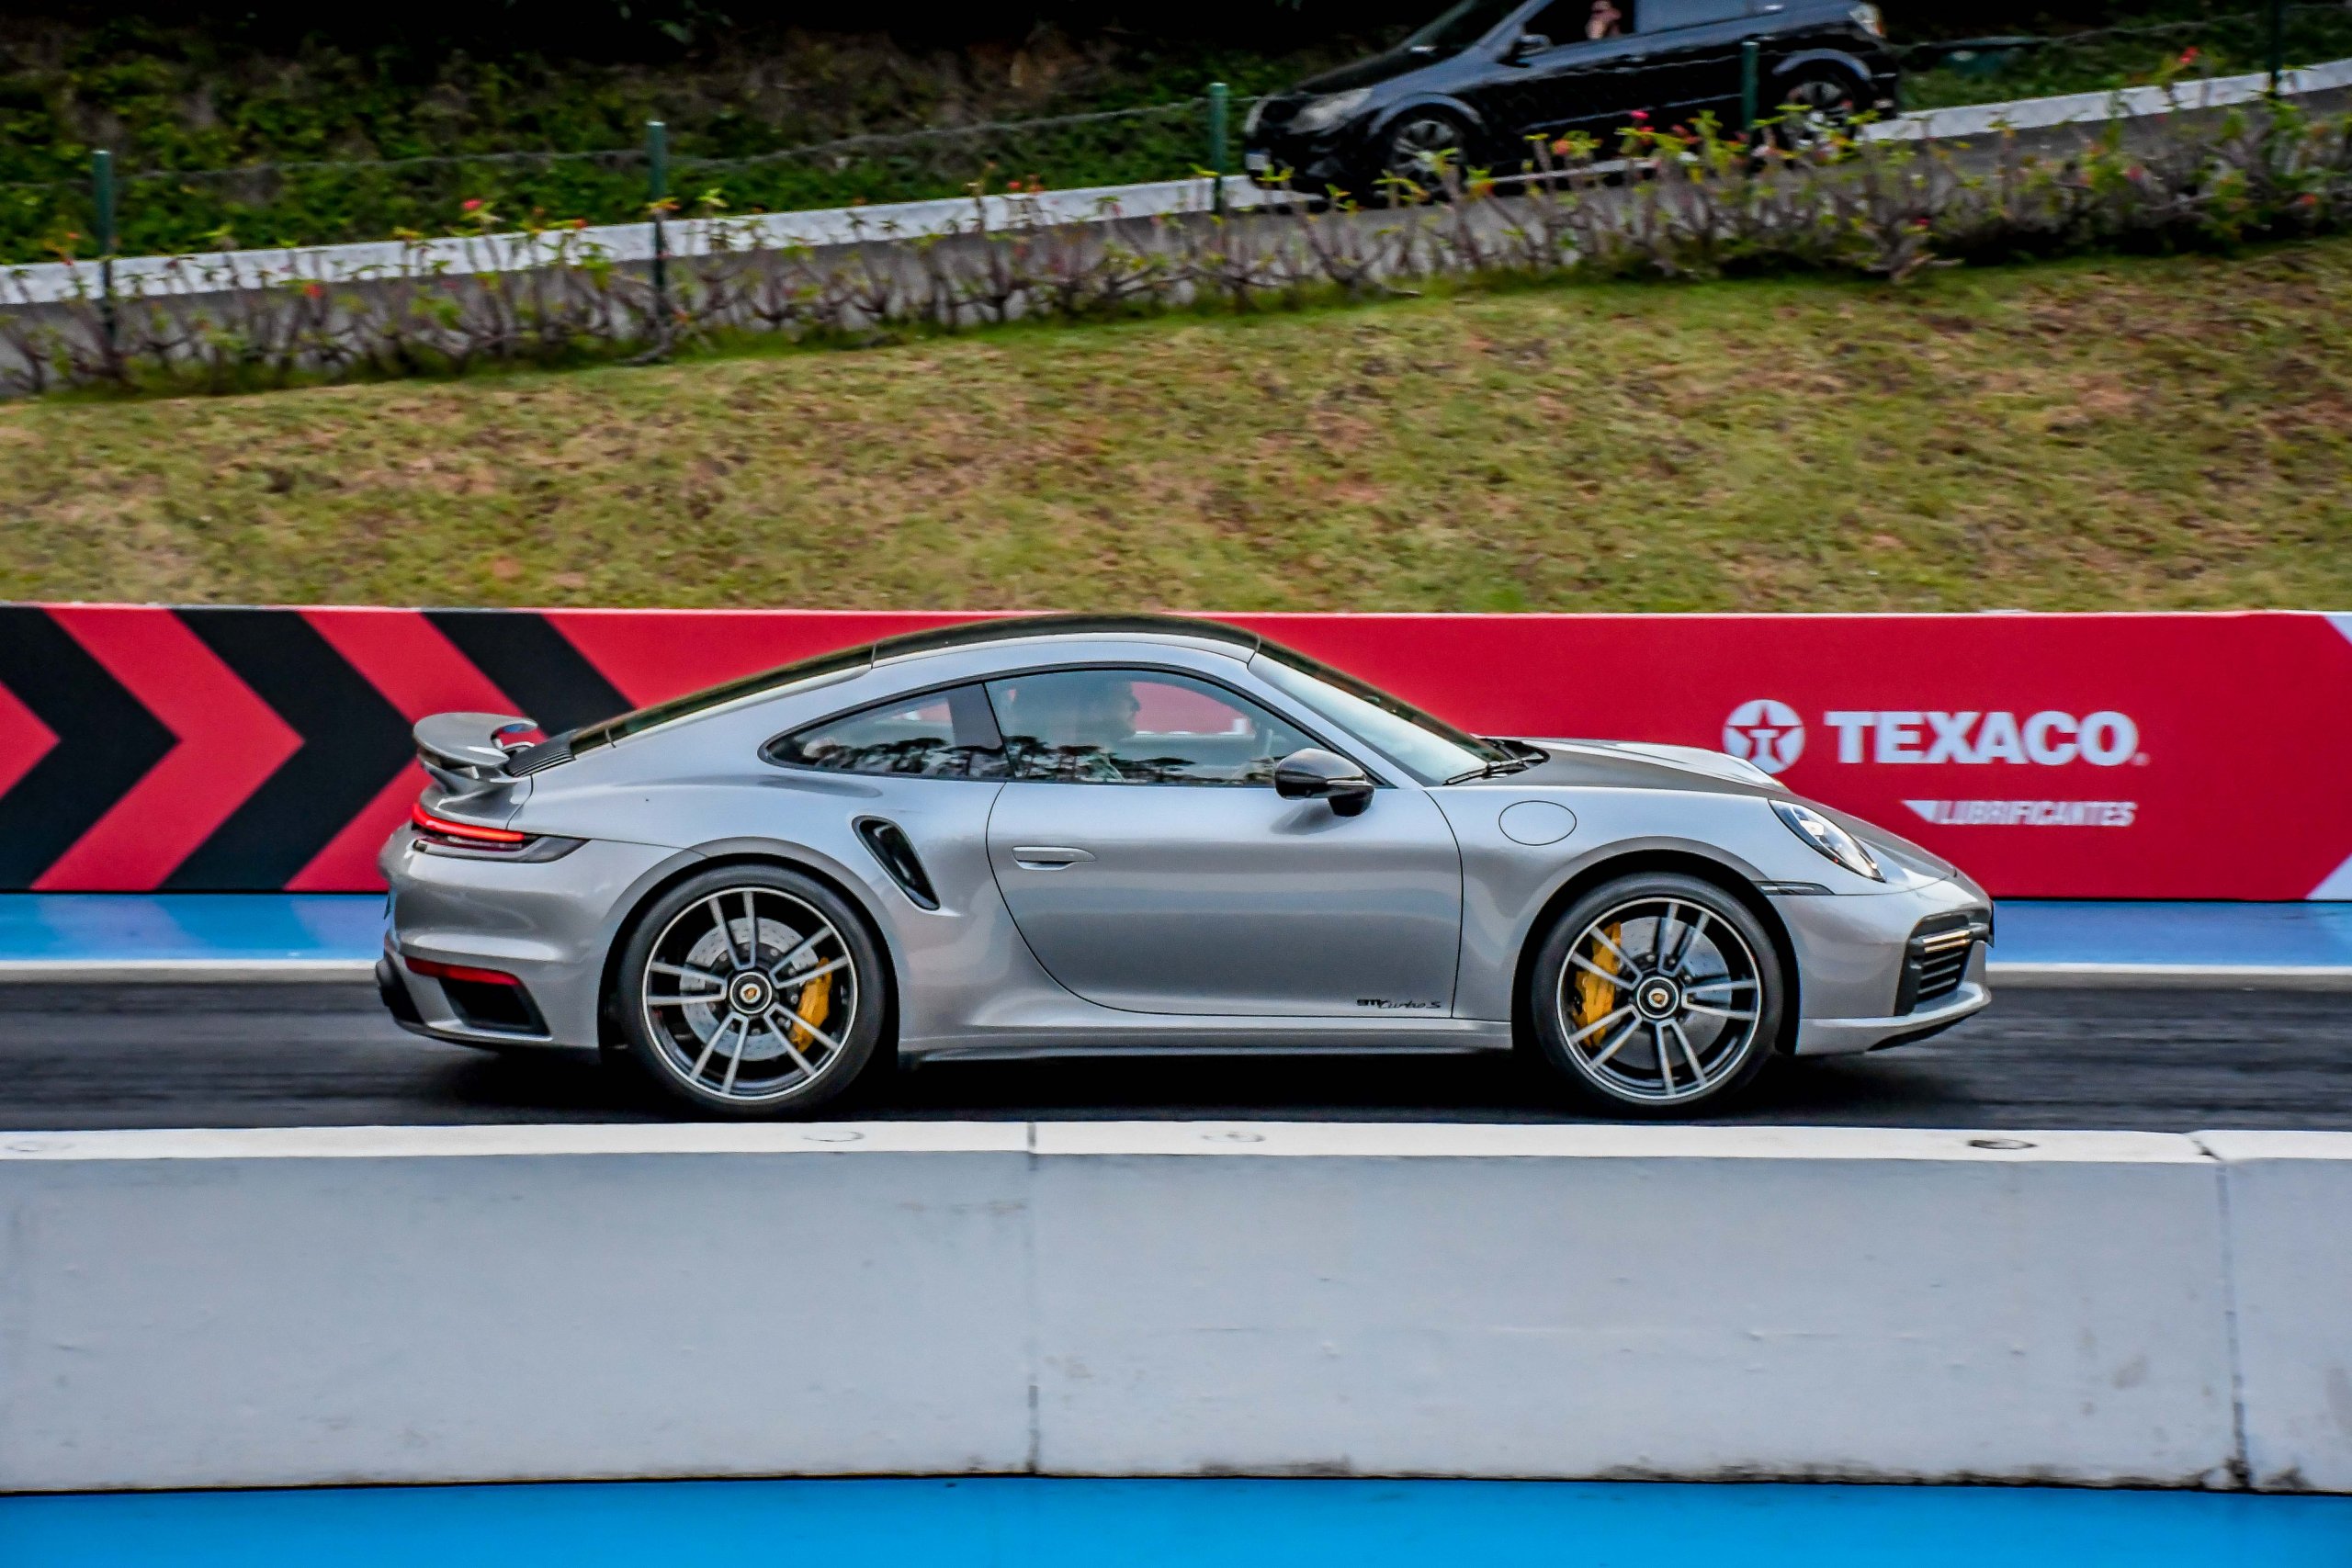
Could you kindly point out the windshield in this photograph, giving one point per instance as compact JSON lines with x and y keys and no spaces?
{"x":1461,"y":26}
{"x":1430,"y":749}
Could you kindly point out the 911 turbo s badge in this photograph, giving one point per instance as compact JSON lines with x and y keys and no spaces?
{"x":1386,"y":1004}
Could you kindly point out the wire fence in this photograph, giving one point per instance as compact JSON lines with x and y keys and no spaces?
{"x":171,"y":211}
{"x":1676,"y":207}
{"x":1992,"y":70}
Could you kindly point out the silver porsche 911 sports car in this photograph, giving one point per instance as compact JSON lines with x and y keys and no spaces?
{"x":1065,"y":834}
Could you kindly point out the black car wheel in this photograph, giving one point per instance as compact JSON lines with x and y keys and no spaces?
{"x":1814,"y":104}
{"x":1656,"y":994}
{"x":1418,"y":149}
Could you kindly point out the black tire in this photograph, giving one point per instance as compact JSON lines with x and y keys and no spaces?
{"x":797,"y":958}
{"x":1581,"y":1006}
{"x":1813,"y":103}
{"x":1410,"y":148}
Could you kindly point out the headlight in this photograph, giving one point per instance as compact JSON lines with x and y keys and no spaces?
{"x":1829,"y":839}
{"x":1323,"y":113}
{"x":1866,"y":18}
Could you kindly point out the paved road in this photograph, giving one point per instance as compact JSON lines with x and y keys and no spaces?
{"x":311,"y":1056}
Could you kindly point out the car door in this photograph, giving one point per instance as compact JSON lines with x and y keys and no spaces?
{"x":1151,"y":867}
{"x":1582,"y":78}
{"x":1691,"y":58}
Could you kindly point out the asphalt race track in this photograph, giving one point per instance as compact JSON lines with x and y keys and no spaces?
{"x":273,"y":1056}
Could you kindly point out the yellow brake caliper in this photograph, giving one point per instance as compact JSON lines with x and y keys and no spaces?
{"x":815,"y":1006}
{"x":1596,"y":997}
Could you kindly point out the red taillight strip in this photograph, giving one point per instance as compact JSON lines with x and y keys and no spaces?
{"x":434,"y":970}
{"x":464,"y":833}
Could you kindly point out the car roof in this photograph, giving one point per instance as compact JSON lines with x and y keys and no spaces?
{"x":1211,"y":636}
{"x":1169,"y":631}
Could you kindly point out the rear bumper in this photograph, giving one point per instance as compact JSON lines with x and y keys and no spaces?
{"x":551,"y":925}
{"x":425,"y":1005}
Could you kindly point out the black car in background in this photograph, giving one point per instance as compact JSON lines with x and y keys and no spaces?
{"x":1488,"y":75}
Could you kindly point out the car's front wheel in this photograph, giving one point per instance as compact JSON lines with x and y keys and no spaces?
{"x":1656,"y":994}
{"x":1417,"y":152}
{"x":751,"y":990}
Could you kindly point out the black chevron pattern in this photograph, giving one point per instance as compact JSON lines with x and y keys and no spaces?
{"x":353,"y":744}
{"x":539,"y":671}
{"x":107,"y":741}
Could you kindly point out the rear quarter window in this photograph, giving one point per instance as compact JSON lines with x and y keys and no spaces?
{"x":939,"y":735}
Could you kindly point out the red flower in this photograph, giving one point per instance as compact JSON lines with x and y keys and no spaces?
{"x":314,"y":291}
{"x":1641,"y":114}
{"x":579,"y":222}
{"x":473,"y":204}
{"x":2189,"y":55}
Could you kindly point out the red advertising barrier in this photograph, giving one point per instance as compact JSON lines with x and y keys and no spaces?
{"x":2103,"y":756}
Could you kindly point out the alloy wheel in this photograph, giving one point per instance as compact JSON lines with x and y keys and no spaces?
{"x":1420,"y":148}
{"x":749,"y":996}
{"x":1813,"y":109}
{"x":1658,"y":1001}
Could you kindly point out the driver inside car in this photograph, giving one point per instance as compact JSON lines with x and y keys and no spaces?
{"x":1072,"y":726}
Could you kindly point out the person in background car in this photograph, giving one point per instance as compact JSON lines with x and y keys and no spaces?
{"x":1607,"y":20}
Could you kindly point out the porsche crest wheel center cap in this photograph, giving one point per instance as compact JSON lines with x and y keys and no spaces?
{"x":749,"y":992}
{"x":1657,"y":998}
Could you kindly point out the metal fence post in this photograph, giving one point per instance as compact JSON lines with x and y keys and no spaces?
{"x":657,"y":197}
{"x":102,"y":198}
{"x":1747,"y":62}
{"x":1217,"y":105}
{"x":2278,"y":43}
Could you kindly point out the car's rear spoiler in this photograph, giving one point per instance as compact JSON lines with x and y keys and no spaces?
{"x":465,"y":752}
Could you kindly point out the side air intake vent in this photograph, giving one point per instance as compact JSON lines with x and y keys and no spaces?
{"x":1936,"y":959}
{"x":888,"y":842}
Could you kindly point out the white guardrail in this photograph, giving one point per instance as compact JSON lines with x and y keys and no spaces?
{"x":200,"y":1309}
{"x":226,"y":271}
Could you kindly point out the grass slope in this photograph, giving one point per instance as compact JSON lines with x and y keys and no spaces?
{"x":2150,"y":434}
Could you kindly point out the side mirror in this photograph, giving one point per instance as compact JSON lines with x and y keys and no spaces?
{"x":1317,"y":774}
{"x":1527,"y":46}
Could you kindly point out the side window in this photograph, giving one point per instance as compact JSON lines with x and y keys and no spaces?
{"x":945,"y":735}
{"x":1580,"y":21}
{"x":1135,"y":727}
{"x":1664,"y":16}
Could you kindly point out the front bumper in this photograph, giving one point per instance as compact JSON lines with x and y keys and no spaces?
{"x":1852,"y":951}
{"x":1851,"y":1036}
{"x":1303,"y":165}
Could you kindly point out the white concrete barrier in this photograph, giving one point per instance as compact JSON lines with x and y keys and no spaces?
{"x":2290,"y":1203}
{"x":1539,"y":1301}
{"x":304,"y":1306}
{"x":293,"y":1307}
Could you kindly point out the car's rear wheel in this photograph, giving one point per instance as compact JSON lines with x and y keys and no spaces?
{"x":1656,"y":994}
{"x":751,"y":990}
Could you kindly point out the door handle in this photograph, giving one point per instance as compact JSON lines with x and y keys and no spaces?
{"x":1046,"y":857}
